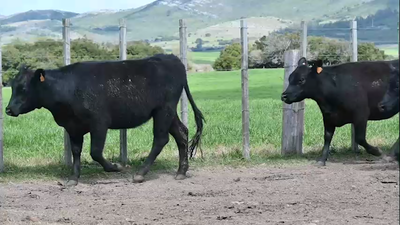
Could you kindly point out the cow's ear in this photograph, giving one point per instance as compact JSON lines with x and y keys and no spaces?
{"x":318,"y":65}
{"x":302,"y":62}
{"x":40,"y":75}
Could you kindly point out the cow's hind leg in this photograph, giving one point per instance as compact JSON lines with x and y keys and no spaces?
{"x":360,"y":129}
{"x":97,"y":140}
{"x":180,"y":133}
{"x":162,"y":120}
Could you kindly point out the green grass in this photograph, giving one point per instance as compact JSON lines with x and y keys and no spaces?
{"x":393,"y":51}
{"x":33,"y":143}
{"x":204,"y":57}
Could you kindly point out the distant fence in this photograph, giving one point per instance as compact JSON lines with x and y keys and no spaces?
{"x":293,"y":115}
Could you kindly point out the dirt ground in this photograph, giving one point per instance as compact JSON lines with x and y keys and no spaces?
{"x":357,"y":194}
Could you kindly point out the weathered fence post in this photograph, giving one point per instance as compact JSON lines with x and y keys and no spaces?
{"x":1,"y":115}
{"x":293,"y":114}
{"x":183,"y":57}
{"x":245,"y":90}
{"x":304,"y":42}
{"x":123,"y":143}
{"x":67,"y":61}
{"x":354,"y":58}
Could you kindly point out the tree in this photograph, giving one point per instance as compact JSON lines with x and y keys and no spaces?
{"x":47,"y":53}
{"x":368,"y":52}
{"x":140,"y":49}
{"x":330,"y":51}
{"x":199,"y":43}
{"x":273,"y":48}
{"x":229,"y":58}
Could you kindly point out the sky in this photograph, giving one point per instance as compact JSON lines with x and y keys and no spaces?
{"x":78,"y":6}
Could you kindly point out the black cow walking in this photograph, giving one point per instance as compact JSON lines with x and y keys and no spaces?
{"x":390,"y":102}
{"x":96,"y":96}
{"x":345,"y":93}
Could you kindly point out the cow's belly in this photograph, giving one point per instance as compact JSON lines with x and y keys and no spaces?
{"x":127,"y":115}
{"x":337,"y":118}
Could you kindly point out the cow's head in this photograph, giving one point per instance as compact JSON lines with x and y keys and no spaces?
{"x":24,"y":97}
{"x":302,"y":81}
{"x":390,"y":100}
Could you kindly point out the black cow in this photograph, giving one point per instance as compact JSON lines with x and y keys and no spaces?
{"x":345,"y":93}
{"x":390,"y":102}
{"x":96,"y":96}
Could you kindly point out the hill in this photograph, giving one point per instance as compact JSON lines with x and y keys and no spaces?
{"x":160,"y":18}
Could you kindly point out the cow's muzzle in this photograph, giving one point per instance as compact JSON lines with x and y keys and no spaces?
{"x":10,"y":112}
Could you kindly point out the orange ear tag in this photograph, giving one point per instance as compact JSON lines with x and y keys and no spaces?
{"x":41,"y":78}
{"x":319,"y":69}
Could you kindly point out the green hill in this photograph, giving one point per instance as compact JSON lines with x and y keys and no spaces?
{"x":161,"y":17}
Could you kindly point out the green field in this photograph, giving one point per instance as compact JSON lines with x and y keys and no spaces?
{"x":204,"y":57}
{"x":392,"y":50}
{"x":33,"y":143}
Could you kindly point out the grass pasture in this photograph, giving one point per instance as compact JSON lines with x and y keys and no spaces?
{"x":391,"y":50}
{"x":33,"y":143}
{"x":204,"y":57}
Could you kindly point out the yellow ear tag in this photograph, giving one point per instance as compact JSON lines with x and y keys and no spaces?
{"x":319,"y":69}
{"x":41,"y":78}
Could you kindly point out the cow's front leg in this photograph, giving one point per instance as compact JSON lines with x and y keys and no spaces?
{"x":76,"y":148}
{"x":328,"y":135}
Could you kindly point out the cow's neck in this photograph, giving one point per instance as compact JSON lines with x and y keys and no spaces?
{"x":53,"y":92}
{"x":325,"y":94}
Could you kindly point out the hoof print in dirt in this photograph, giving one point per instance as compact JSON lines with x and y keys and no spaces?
{"x":224,"y":217}
{"x":31,"y":219}
{"x":387,"y":159}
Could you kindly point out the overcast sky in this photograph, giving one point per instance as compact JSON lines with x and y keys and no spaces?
{"x":79,"y":6}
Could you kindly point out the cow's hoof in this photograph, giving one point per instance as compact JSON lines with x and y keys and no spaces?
{"x":375,"y":152}
{"x":71,"y":183}
{"x":138,"y":179}
{"x":118,"y":167}
{"x":180,"y":177}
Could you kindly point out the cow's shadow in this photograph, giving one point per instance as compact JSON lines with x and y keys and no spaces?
{"x":362,"y":160}
{"x":91,"y":172}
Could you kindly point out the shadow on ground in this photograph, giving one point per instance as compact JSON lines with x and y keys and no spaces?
{"x":93,"y":172}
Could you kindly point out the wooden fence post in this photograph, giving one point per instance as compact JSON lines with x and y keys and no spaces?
{"x":245,"y":90}
{"x":1,"y":115}
{"x":123,"y":143}
{"x":67,"y":61}
{"x":183,"y":57}
{"x":293,"y":114}
{"x":304,"y":42}
{"x":354,"y":58}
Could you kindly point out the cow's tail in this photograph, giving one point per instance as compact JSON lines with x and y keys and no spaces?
{"x":198,"y":117}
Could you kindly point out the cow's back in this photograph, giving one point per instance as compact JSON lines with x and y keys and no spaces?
{"x":365,"y":83}
{"x":126,"y":89}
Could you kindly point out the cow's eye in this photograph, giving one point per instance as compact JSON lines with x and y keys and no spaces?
{"x":302,"y":80}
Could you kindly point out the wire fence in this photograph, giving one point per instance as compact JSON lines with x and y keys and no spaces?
{"x":211,"y":40}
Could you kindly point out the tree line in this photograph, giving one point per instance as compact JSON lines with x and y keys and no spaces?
{"x":48,"y":53}
{"x":268,"y":51}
